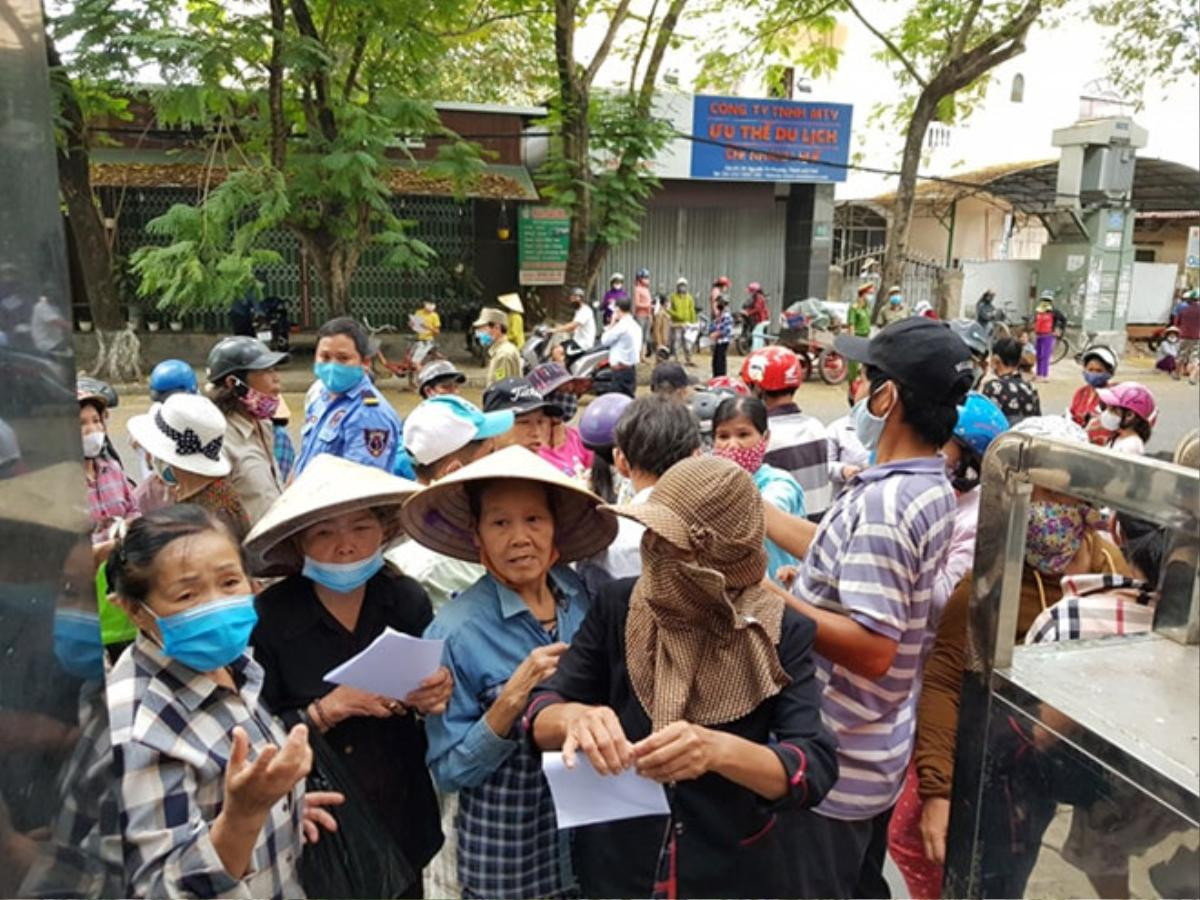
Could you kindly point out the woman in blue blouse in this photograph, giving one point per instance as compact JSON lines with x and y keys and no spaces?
{"x":504,"y":635}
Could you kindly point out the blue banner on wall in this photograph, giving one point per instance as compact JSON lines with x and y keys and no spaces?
{"x":747,"y":133}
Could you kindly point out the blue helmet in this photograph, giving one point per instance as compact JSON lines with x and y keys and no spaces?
{"x":643,"y":273}
{"x":979,"y":423}
{"x":171,"y":376}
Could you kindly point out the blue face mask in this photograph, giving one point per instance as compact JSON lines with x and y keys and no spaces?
{"x":211,"y":635}
{"x":484,"y":338}
{"x":77,"y":645}
{"x":338,"y":378}
{"x":166,"y":473}
{"x":867,"y":425}
{"x":342,"y":578}
{"x":1097,"y":379}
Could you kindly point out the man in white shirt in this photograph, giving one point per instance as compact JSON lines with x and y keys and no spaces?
{"x":652,"y":435}
{"x":48,"y":329}
{"x":624,"y":339}
{"x":582,"y":327}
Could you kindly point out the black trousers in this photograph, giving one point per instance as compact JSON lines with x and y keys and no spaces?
{"x":718,"y":356}
{"x":625,"y":380}
{"x":851,"y":855}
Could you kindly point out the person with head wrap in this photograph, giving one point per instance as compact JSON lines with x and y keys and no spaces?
{"x":1062,"y":538}
{"x":565,"y":449}
{"x":700,"y":678}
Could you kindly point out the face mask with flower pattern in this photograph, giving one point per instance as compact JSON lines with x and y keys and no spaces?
{"x":1054,"y":535}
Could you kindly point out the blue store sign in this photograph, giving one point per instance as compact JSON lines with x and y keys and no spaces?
{"x":740,"y":137}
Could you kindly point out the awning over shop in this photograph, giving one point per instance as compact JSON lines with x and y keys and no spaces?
{"x":118,"y":168}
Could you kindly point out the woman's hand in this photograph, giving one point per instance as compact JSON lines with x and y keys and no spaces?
{"x":786,"y":575}
{"x":597,"y":731}
{"x":680,"y":752}
{"x":849,"y":472}
{"x":540,"y":664}
{"x":252,"y":788}
{"x":316,"y":816}
{"x":935,"y":822}
{"x":431,"y":697}
{"x":345,"y":702}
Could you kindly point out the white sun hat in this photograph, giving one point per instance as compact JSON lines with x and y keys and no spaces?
{"x":185,"y":431}
{"x":439,"y":517}
{"x":511,"y":302}
{"x":329,"y":486}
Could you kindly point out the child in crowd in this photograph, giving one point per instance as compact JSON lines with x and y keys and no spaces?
{"x":741,"y":435}
{"x":428,"y":325}
{"x":1099,"y":366}
{"x":1017,"y":398}
{"x":721,"y":333}
{"x":1128,"y":413}
{"x":1168,"y":353}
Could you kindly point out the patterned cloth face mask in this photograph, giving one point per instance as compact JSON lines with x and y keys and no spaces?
{"x":749,"y":458}
{"x":1054,"y":535}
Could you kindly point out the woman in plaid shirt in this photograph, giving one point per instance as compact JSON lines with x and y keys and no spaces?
{"x":209,"y":789}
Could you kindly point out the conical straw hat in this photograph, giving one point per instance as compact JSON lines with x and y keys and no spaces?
{"x":440,"y":516}
{"x":329,"y":486}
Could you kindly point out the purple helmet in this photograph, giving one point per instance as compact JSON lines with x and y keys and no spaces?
{"x":598,"y":424}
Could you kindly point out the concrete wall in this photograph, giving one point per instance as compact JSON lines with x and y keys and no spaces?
{"x":1010,"y":279}
{"x":978,"y":234}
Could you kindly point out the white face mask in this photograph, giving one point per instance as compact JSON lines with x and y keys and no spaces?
{"x":1110,"y":420}
{"x":93,"y":444}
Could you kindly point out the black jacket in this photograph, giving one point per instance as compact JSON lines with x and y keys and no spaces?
{"x":297,"y":641}
{"x":730,"y":841}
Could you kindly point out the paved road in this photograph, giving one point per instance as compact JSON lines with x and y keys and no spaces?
{"x":1179,"y":402}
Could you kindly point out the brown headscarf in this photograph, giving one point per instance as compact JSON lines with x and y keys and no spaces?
{"x":701,"y":636}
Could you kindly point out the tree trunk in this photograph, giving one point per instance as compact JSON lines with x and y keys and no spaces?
{"x":75,"y":183}
{"x":575,"y":151}
{"x":902,"y":208}
{"x":329,"y":259}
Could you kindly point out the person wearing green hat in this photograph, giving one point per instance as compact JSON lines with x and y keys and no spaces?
{"x":1043,"y":326}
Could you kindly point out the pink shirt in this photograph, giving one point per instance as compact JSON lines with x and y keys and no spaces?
{"x":571,"y":458}
{"x":961,"y":556}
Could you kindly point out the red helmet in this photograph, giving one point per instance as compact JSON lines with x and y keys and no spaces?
{"x":725,"y":383}
{"x":753,"y":287}
{"x":773,"y":368}
{"x":723,"y":281}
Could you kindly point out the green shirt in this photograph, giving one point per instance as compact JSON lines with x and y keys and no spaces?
{"x":859,"y":320}
{"x":682,"y":309}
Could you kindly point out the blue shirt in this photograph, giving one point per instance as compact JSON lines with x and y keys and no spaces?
{"x":509,"y":844}
{"x":722,"y":329}
{"x":782,"y":491}
{"x":359,"y":425}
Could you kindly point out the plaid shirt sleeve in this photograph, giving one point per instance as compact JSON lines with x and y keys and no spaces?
{"x":285,"y":452}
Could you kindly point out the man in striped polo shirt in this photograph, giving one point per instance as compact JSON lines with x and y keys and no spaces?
{"x":798,"y":443}
{"x":867,"y":581}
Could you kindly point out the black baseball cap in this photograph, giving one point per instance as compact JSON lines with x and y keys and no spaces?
{"x":520,"y":396}
{"x":670,"y":376}
{"x":922,"y":354}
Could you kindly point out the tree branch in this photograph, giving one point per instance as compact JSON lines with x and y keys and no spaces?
{"x":665,"y":32}
{"x":637,"y":57}
{"x":618,"y":18}
{"x":320,"y":80}
{"x":275,"y":85}
{"x":964,"y":32}
{"x":356,"y":58}
{"x":887,"y":42}
{"x":473,"y":27}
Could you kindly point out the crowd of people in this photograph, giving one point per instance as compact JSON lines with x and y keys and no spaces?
{"x":703,"y":583}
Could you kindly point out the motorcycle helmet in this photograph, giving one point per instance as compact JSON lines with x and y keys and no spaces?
{"x":615,"y":277}
{"x":1104,"y":354}
{"x":753,"y":287}
{"x":726,"y":385}
{"x":979,"y":423}
{"x":240,"y":354}
{"x":94,"y":388}
{"x":723,"y":281}
{"x":1131,"y":396}
{"x":643,"y":273}
{"x":973,"y":335}
{"x":598,"y":424}
{"x":171,"y":376}
{"x":772,"y":369}
{"x":704,"y":407}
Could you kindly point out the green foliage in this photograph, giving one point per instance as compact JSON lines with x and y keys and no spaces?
{"x":211,"y":253}
{"x":1157,"y":40}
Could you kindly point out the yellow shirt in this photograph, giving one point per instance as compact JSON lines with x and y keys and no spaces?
{"x":516,"y":329}
{"x":433,"y":324}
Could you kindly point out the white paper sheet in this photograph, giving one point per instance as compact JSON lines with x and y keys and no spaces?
{"x":582,"y":796}
{"x":394,"y":665}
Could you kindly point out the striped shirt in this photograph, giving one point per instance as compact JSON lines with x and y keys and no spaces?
{"x":799,"y":446}
{"x":874,"y":558}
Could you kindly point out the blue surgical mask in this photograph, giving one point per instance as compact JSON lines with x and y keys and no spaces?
{"x":343,"y":577}
{"x":338,"y":378}
{"x":165,"y":472}
{"x":1097,"y":379}
{"x":867,"y":425}
{"x":209,"y":636}
{"x":77,"y":645}
{"x":484,"y":338}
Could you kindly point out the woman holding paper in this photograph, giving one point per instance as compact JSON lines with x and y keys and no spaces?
{"x":326,"y":534}
{"x":523,"y":520}
{"x":699,"y":678}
